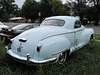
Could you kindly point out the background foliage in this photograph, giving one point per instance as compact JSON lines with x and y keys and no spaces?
{"x":7,"y":9}
{"x":88,"y":10}
{"x":30,"y":10}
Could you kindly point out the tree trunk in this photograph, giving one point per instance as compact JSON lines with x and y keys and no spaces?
{"x":97,"y":19}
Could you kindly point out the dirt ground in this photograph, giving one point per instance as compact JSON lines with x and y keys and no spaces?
{"x":96,"y":28}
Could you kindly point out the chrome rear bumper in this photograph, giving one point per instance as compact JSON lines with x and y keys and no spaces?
{"x":27,"y":59}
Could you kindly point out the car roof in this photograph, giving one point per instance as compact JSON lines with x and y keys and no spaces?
{"x":62,"y":17}
{"x":69,"y":20}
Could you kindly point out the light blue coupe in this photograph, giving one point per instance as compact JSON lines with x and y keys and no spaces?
{"x":55,"y":39}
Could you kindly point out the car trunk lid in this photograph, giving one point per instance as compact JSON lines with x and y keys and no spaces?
{"x":27,"y":42}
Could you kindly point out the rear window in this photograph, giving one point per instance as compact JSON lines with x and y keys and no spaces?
{"x":53,"y":22}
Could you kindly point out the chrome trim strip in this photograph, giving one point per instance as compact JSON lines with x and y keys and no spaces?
{"x":21,"y":58}
{"x":61,"y":34}
{"x":43,"y":61}
{"x":22,"y":39}
{"x":59,"y":52}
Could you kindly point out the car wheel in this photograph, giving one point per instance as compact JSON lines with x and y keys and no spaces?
{"x":62,"y":57}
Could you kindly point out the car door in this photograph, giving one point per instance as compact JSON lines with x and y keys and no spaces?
{"x":78,"y":30}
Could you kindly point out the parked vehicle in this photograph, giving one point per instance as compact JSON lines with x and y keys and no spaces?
{"x":9,"y":33}
{"x":55,"y":39}
{"x":2,"y":26}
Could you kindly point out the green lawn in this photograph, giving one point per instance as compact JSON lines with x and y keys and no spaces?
{"x":85,"y":61}
{"x":97,"y":36}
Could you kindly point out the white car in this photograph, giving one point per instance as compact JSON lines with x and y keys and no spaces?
{"x":55,"y":39}
{"x":2,"y":26}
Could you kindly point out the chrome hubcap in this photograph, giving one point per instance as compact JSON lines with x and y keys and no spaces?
{"x":62,"y":57}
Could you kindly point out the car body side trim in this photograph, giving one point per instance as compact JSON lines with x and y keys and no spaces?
{"x":59,"y":52}
{"x":61,"y":34}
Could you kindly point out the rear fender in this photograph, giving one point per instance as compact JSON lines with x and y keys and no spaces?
{"x":89,"y":32}
{"x":53,"y":47}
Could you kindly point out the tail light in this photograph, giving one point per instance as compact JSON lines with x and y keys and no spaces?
{"x":12,"y":33}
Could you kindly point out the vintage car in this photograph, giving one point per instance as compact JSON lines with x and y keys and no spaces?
{"x":8,"y":33}
{"x":55,"y":39}
{"x":2,"y":26}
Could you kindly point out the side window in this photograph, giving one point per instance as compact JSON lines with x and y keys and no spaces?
{"x":77,"y":24}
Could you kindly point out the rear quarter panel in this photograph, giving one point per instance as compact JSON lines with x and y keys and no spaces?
{"x":89,"y":32}
{"x":53,"y":45}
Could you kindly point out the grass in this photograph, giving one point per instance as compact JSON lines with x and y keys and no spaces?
{"x":85,"y":61}
{"x":97,"y":36}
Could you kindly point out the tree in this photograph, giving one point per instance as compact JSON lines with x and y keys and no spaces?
{"x":46,"y":8}
{"x":30,"y":10}
{"x":53,"y":8}
{"x":91,"y":3}
{"x":58,"y":8}
{"x":90,"y":13}
{"x":82,"y":9}
{"x":78,"y":8}
{"x":97,"y":6}
{"x":7,"y":9}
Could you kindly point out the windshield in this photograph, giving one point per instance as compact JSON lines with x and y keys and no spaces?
{"x":1,"y":23}
{"x":53,"y":22}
